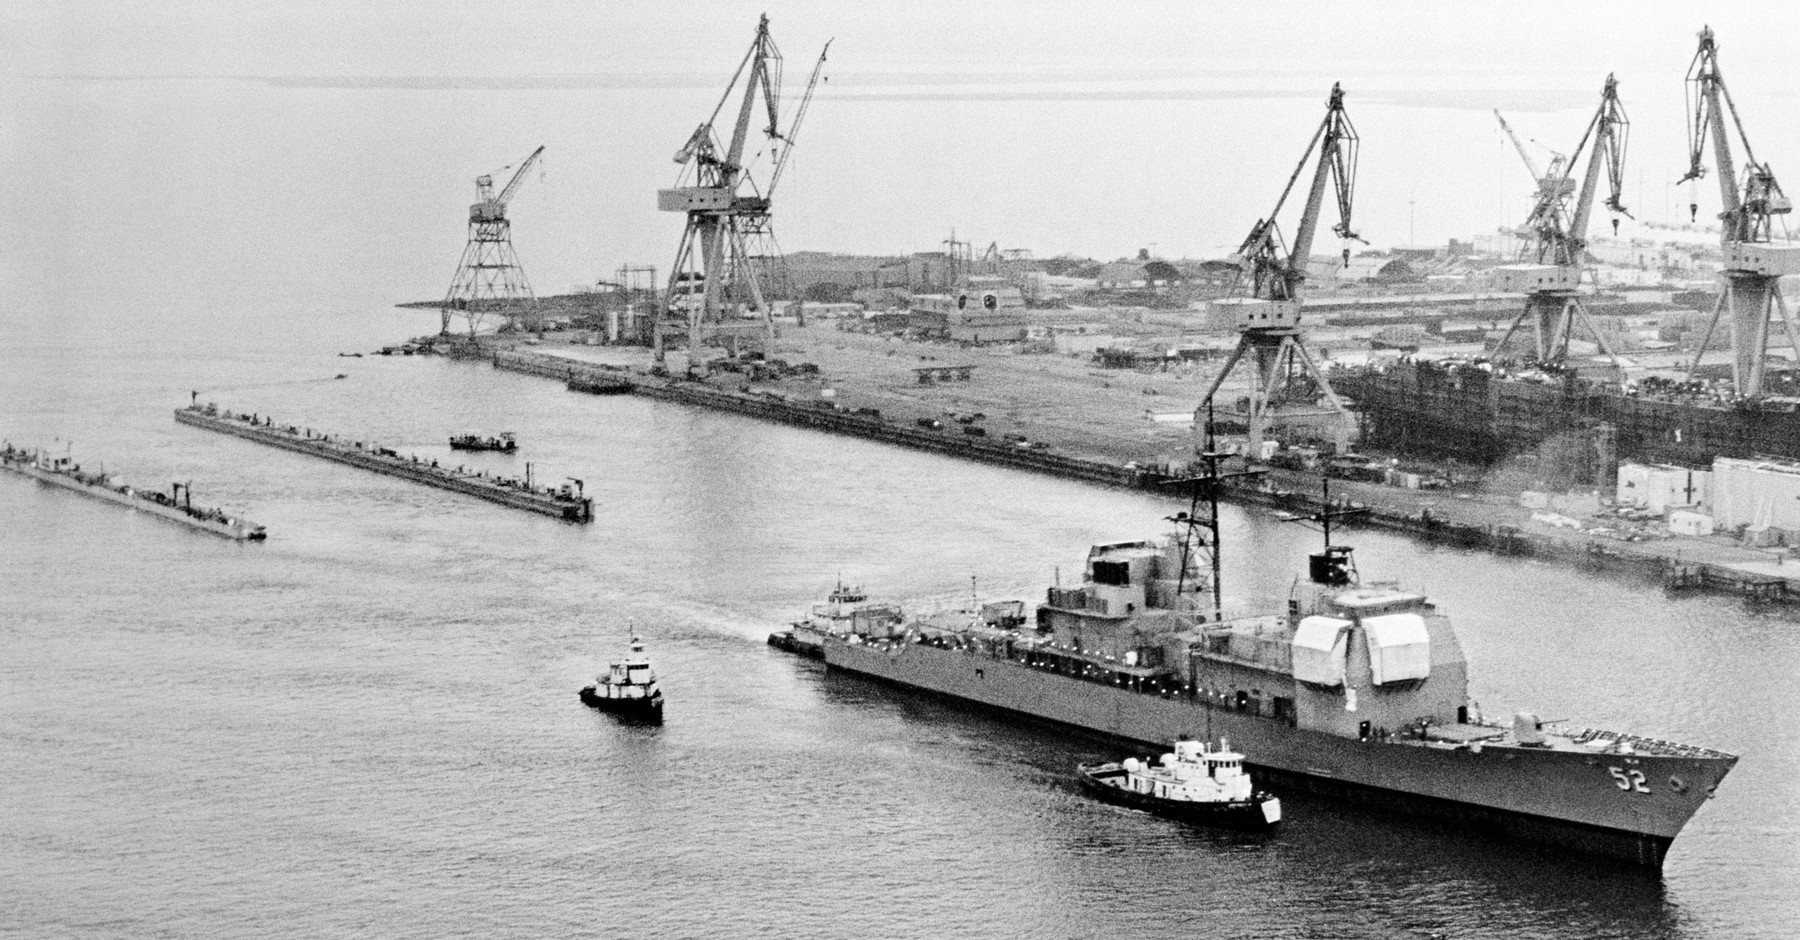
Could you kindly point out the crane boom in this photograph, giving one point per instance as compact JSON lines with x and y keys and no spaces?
{"x":1608,"y":132}
{"x":512,"y":185}
{"x":793,"y":133}
{"x":1747,"y":213}
{"x":1273,"y":276}
{"x":1518,"y":145}
{"x":762,"y":54}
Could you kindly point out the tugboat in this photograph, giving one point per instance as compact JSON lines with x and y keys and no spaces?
{"x":504,"y":444}
{"x":1194,"y":783}
{"x":844,"y":612}
{"x":628,"y":688}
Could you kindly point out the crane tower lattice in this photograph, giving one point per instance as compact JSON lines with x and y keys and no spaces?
{"x":489,"y":281}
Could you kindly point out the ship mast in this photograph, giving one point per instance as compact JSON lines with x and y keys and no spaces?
{"x":1205,"y":488}
{"x":1331,"y":566}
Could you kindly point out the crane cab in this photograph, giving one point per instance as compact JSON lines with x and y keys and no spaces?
{"x":1536,"y":278}
{"x":1762,"y":258}
{"x":1254,"y":313}
{"x":694,"y":199}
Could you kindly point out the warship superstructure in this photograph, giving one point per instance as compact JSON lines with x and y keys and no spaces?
{"x":1354,"y":689}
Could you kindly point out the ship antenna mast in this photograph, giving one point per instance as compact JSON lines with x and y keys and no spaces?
{"x":1205,"y":487}
{"x":1325,"y":568}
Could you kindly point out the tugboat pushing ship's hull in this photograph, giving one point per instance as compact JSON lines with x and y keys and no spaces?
{"x":844,"y":611}
{"x":1194,"y":782}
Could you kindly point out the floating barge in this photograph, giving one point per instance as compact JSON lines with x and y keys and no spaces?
{"x":63,"y":472}
{"x":564,"y":502}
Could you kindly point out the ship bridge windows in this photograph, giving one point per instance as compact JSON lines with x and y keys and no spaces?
{"x":1116,"y":573}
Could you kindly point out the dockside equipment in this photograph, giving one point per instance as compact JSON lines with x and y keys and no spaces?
{"x":1754,"y":259}
{"x":1288,"y":384}
{"x":719,"y":286}
{"x":489,"y":279}
{"x":1555,"y":235}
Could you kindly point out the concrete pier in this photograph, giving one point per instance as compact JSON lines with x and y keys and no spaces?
{"x":565,"y":502}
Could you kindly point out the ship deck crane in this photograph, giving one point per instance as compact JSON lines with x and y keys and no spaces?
{"x":1754,"y":261}
{"x":1555,"y":252}
{"x":716,"y":292}
{"x":1288,"y":384}
{"x":488,"y":278}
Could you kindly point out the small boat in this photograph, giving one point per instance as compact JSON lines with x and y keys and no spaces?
{"x":628,"y":688}
{"x":504,"y":444}
{"x":1194,"y":783}
{"x":845,"y":611}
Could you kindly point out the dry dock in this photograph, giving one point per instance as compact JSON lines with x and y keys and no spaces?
{"x":565,"y":502}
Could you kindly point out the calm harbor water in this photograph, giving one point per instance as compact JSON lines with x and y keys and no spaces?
{"x":368,"y":725}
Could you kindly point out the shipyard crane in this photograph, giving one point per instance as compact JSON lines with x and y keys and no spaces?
{"x":1547,"y":179}
{"x":488,"y":278}
{"x":1754,"y":261}
{"x":1288,"y":384}
{"x":1553,"y":186}
{"x":1555,"y":249}
{"x":718,"y":287}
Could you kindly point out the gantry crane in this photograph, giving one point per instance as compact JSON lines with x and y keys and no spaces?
{"x":1288,"y":384}
{"x":1555,"y":248}
{"x":1753,"y":261}
{"x":718,"y":285}
{"x":488,"y":278}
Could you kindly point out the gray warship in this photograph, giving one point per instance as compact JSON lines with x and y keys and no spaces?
{"x":1355,"y":690}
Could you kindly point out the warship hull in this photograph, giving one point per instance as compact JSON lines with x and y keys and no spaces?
{"x":1627,"y":807}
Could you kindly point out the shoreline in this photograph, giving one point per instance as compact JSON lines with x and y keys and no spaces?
{"x":1056,"y":440}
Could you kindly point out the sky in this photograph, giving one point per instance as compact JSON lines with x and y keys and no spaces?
{"x":1061,"y":127}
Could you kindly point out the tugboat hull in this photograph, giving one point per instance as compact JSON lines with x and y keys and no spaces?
{"x":645,"y":710}
{"x":1107,"y":781}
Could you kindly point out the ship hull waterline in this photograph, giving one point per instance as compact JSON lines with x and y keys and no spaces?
{"x":1490,"y":791}
{"x":640,"y":710}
